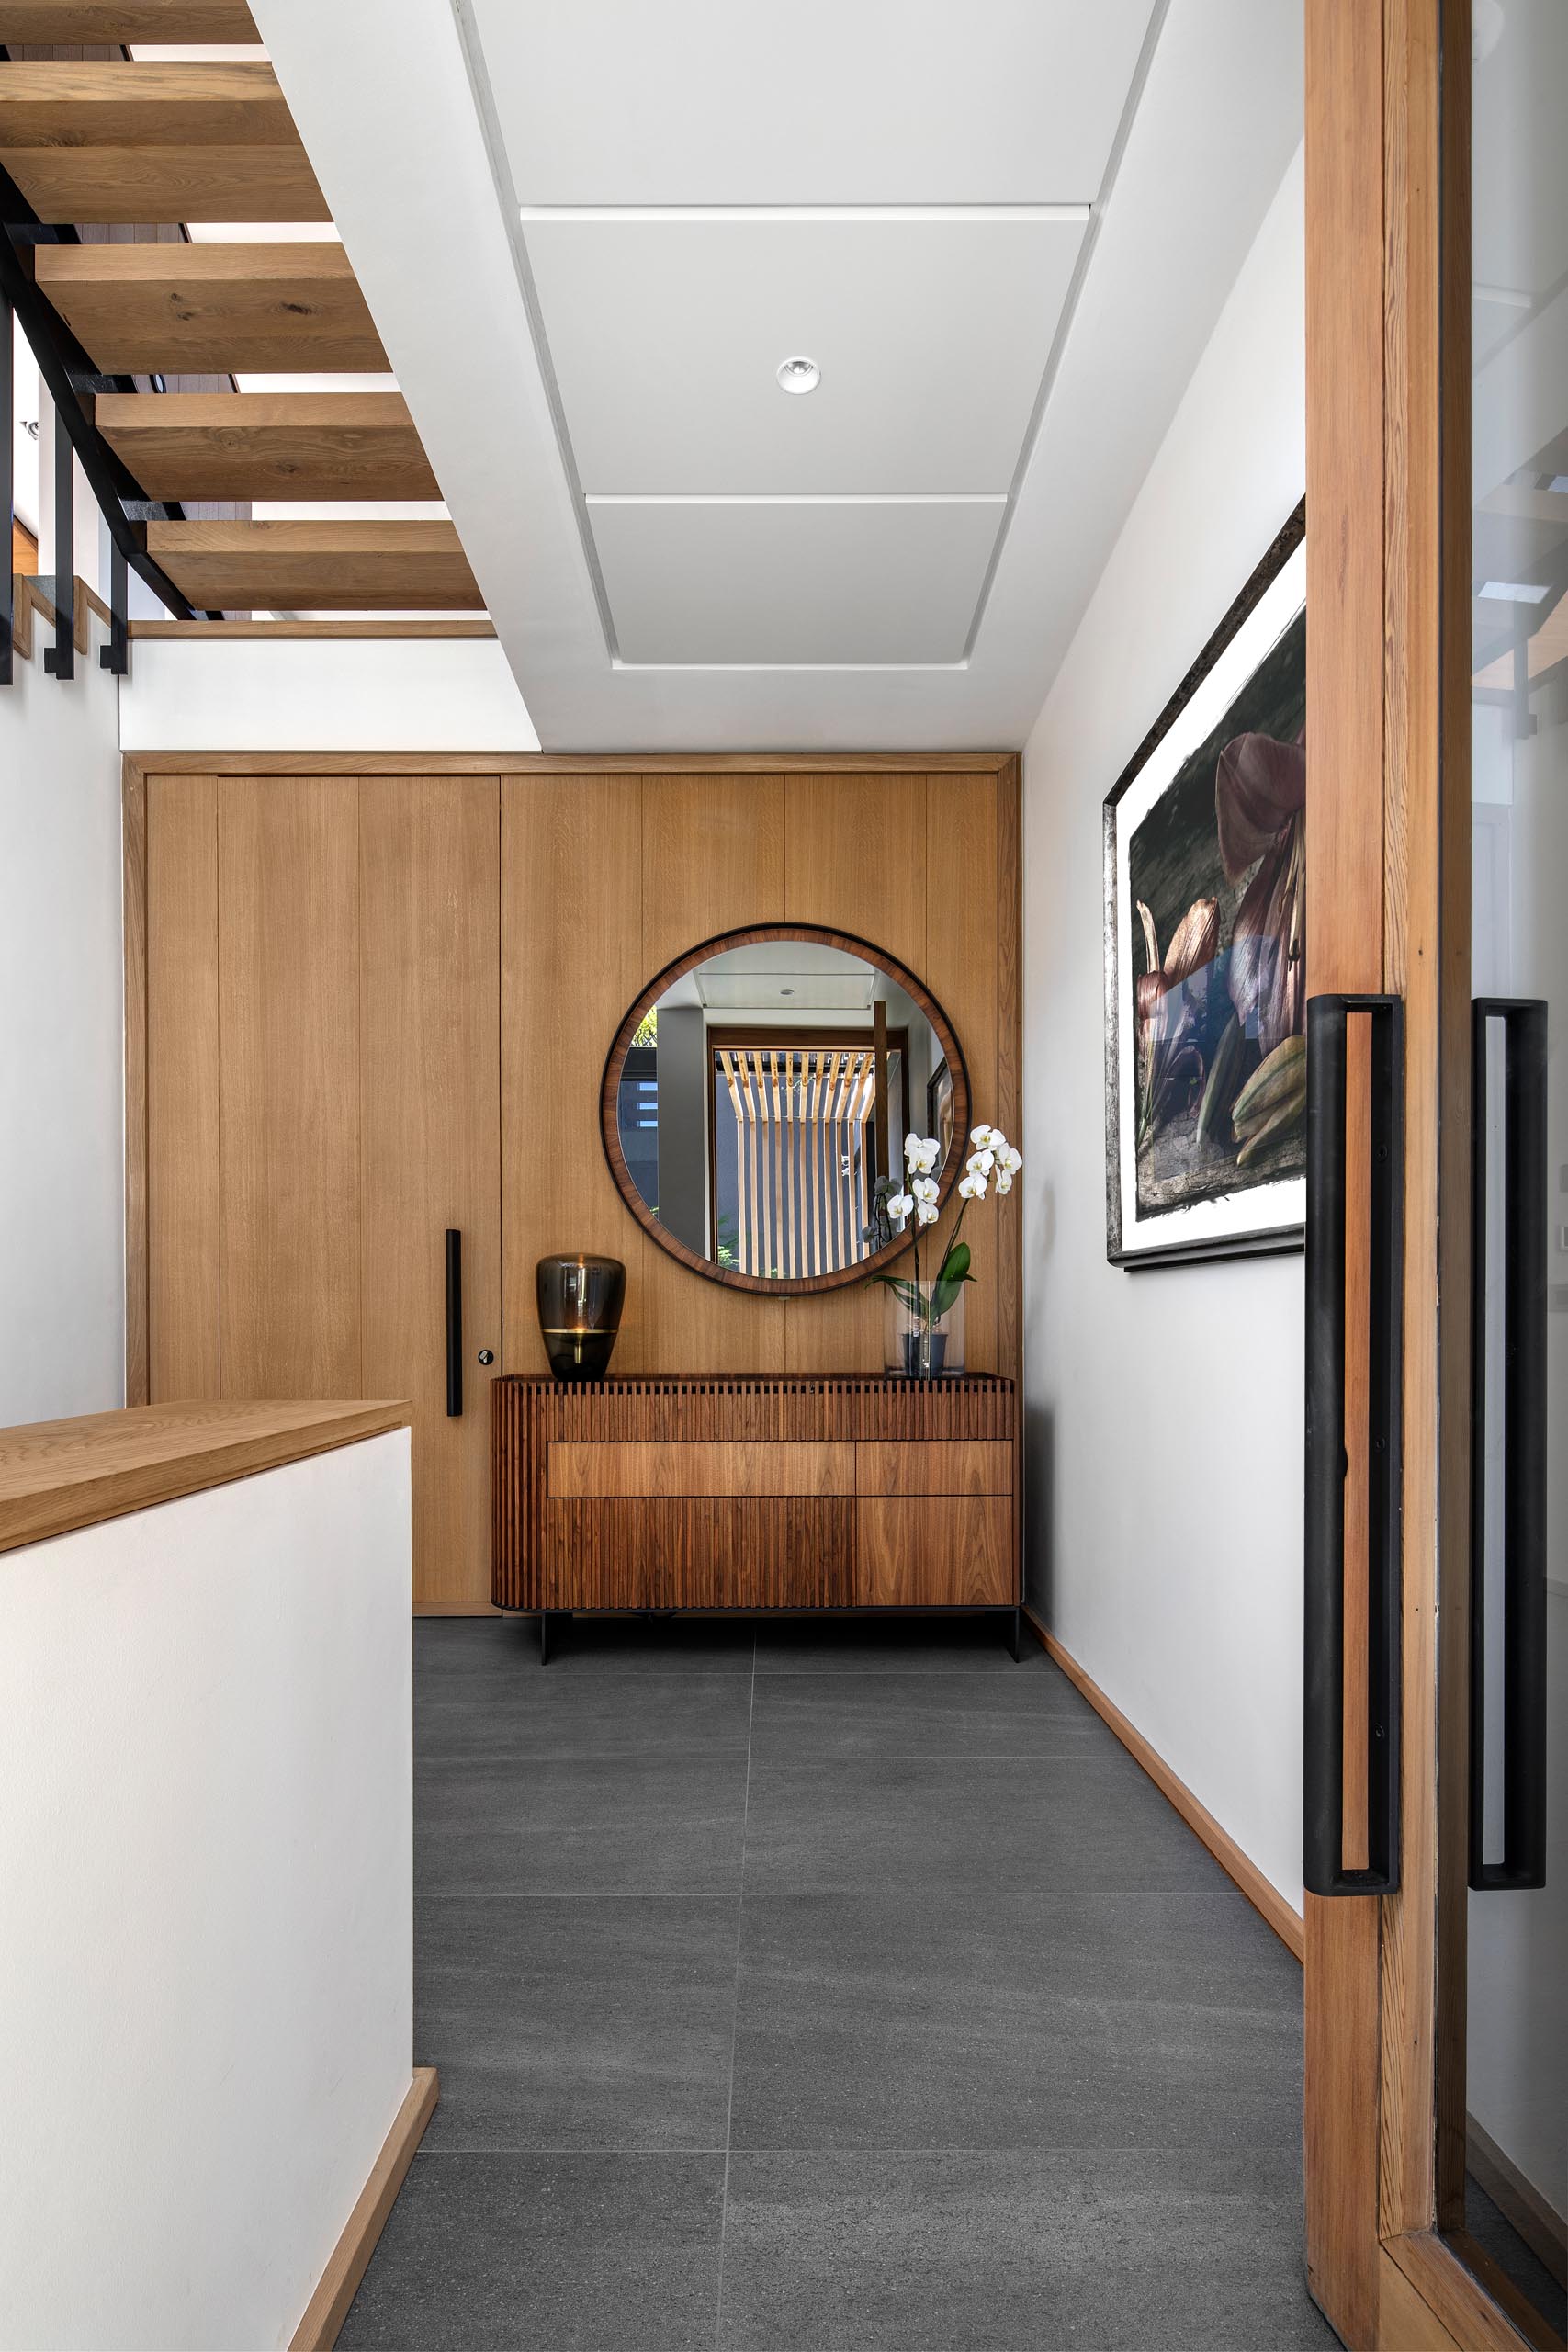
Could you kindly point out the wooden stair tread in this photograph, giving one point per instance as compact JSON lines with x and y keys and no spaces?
{"x":267,"y":308}
{"x":91,"y":141}
{"x":312,"y":567}
{"x":267,"y":445}
{"x":88,"y":22}
{"x":109,"y":183}
{"x":105,"y":103}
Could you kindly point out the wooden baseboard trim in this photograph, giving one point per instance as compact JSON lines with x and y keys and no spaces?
{"x":339,"y":2282}
{"x":1264,"y":1897}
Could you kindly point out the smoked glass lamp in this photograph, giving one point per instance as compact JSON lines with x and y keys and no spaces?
{"x":579,"y":1301}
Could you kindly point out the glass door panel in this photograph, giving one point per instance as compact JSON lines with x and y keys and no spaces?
{"x":1514,"y":2049}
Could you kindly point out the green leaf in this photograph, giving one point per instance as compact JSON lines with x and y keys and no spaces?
{"x":955,"y":1265}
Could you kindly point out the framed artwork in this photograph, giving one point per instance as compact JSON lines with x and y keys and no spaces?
{"x":1205,"y":945}
{"x":938,"y":1109}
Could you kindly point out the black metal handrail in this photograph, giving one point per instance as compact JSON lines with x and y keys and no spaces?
{"x":72,"y":381}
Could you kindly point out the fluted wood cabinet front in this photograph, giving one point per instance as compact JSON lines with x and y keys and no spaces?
{"x":754,"y":1494}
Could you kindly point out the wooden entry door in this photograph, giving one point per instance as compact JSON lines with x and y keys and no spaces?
{"x":1430,"y":388}
{"x":323,"y":1105}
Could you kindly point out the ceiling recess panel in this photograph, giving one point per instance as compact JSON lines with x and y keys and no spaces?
{"x":931,"y":336}
{"x":839,"y":102}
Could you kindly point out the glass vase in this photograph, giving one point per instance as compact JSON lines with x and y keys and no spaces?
{"x":579,"y":1313}
{"x":918,"y":1343}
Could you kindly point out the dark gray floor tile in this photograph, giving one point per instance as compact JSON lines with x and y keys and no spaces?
{"x":605,"y":1714}
{"x":579,"y":1646}
{"x":557,"y":2253}
{"x":538,"y":1826}
{"x":1014,"y":2020}
{"x":887,"y":1641}
{"x":595,"y":2023}
{"x":1115,"y":2252}
{"x":1084,"y":1819}
{"x":884,"y":1713}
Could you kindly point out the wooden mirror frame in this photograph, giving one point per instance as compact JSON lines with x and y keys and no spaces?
{"x":610,"y":1092}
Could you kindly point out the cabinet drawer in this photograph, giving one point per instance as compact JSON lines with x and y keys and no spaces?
{"x":934,"y":1467}
{"x":935,"y":1552}
{"x":577,"y":1471}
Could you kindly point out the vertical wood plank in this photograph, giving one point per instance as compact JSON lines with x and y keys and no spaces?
{"x":430,"y":1143}
{"x":1452,"y":783}
{"x":288,"y":1002}
{"x":855,"y":860}
{"x":570,"y":963}
{"x":713,"y":860}
{"x":181,"y":1151}
{"x":134,"y":829}
{"x":1426,"y":891}
{"x":1345,"y":448}
{"x":713,"y":852}
{"x":962,"y":844}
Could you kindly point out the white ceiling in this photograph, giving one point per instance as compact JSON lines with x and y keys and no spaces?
{"x":839,"y":102}
{"x":931,"y":333}
{"x":589,"y":230}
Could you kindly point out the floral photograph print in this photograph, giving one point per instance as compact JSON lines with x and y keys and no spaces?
{"x":1205,"y":945}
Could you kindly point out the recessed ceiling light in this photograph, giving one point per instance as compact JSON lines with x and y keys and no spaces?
{"x":799,"y":375}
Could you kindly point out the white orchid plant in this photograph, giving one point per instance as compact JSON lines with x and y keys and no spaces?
{"x":993,"y":1163}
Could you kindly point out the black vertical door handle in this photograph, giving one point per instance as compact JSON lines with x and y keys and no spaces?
{"x":1325,"y":1870}
{"x":453,"y":1323}
{"x":1520,"y":1386}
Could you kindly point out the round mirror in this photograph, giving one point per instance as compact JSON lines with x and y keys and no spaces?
{"x":759,"y":1088}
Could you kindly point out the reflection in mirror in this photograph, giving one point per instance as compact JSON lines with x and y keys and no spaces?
{"x":755,"y":1099}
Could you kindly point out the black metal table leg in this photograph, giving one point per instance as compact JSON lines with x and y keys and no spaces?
{"x":544,"y":1638}
{"x":1016,"y":1644}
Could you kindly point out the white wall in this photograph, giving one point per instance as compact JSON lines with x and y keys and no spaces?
{"x":62,"y":1084}
{"x":1163,"y":1409}
{"x":205,"y":1936}
{"x":254,"y":694}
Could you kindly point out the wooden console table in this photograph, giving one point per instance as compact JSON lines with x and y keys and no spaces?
{"x":772,"y":1493}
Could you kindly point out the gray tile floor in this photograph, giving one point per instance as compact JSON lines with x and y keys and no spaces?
{"x":826,"y":1987}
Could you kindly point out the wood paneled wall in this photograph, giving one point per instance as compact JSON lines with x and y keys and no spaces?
{"x":342,"y":989}
{"x":606,"y":877}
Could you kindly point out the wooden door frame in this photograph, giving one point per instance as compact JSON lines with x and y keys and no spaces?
{"x":1388,"y":832}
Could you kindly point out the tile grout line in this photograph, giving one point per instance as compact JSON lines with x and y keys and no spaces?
{"x":735,"y":2013}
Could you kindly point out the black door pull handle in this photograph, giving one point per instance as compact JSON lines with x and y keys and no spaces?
{"x":1327,"y":1457}
{"x":1519,"y":1320}
{"x":453,"y":1323}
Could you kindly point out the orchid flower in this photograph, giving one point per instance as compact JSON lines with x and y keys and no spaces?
{"x":991,"y":1158}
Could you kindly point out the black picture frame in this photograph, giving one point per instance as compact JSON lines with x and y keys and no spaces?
{"x":1134,"y":1241}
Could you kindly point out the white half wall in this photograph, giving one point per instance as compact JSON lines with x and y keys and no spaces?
{"x":1164,"y":1407}
{"x":322,"y":693}
{"x":205,"y":1936}
{"x":61,"y":1043}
